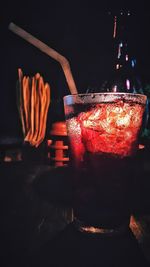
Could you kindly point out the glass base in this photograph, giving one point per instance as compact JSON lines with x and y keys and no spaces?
{"x":89,"y":229}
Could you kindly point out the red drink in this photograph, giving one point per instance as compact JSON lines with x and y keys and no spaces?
{"x":103,"y":130}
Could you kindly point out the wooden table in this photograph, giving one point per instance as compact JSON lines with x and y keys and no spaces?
{"x":36,"y":216}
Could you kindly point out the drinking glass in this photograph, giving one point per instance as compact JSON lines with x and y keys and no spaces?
{"x":103,"y":131}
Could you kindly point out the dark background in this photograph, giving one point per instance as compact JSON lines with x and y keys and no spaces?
{"x":82,"y":32}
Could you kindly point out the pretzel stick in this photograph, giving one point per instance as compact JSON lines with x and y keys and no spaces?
{"x":47,"y":88}
{"x":20,"y":96}
{"x":37,"y":109}
{"x":32,"y":102}
{"x":49,"y":51}
{"x":42,"y":110}
{"x":29,"y":82}
{"x":43,"y":128}
{"x":42,"y":102}
{"x":26,"y":99}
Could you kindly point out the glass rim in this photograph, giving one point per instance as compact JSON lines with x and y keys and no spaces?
{"x":143,"y":97}
{"x":103,"y":93}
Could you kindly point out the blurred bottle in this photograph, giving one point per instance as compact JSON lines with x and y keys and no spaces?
{"x":124,"y":76}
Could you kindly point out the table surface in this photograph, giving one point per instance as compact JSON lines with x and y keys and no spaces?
{"x":36,"y":220}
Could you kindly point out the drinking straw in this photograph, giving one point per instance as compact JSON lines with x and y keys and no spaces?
{"x":49,"y":51}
